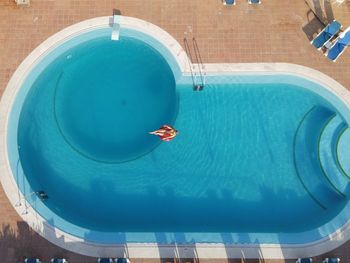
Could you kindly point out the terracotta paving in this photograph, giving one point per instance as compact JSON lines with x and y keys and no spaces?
{"x":328,"y":10}
{"x":275,"y":31}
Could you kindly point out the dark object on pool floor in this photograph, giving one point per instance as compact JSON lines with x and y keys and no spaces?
{"x":42,"y":195}
{"x":198,"y":87}
{"x":166,"y":133}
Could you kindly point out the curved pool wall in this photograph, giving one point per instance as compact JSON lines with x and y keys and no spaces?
{"x":217,"y":245}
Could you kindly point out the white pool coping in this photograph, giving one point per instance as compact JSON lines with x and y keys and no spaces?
{"x":154,"y":250}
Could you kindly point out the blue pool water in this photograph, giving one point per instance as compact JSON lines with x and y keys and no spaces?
{"x":102,"y":97}
{"x":83,"y":139}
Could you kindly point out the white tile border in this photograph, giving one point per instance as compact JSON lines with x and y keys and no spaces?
{"x":154,"y":250}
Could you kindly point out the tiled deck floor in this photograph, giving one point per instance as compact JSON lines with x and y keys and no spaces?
{"x":275,"y":31}
{"x":329,"y":10}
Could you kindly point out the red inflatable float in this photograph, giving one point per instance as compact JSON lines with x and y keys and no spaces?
{"x":166,"y":133}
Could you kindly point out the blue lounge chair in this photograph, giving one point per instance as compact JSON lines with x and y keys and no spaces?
{"x":59,"y":260}
{"x":304,"y":260}
{"x":254,"y":1}
{"x":122,"y":260}
{"x":331,"y":260}
{"x":32,"y":260}
{"x":326,"y":34}
{"x":339,"y":45}
{"x":105,"y":260}
{"x":229,"y":2}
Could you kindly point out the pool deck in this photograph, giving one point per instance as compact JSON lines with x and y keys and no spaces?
{"x":275,"y":31}
{"x":328,"y":10}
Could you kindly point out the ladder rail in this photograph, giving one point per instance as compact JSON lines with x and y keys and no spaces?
{"x":190,"y":59}
{"x":199,"y":61}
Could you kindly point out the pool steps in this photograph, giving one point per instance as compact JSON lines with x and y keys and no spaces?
{"x":319,"y":187}
{"x":196,"y":66}
{"x":321,"y":146}
{"x":327,"y":154}
{"x":343,"y":152}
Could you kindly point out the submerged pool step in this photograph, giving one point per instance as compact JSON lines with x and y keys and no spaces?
{"x":343,"y":152}
{"x":306,"y":159}
{"x":327,"y":154}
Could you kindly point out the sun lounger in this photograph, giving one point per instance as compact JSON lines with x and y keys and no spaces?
{"x":122,"y":260}
{"x":331,"y":260}
{"x":23,"y":2}
{"x":58,"y":260}
{"x":105,"y":260}
{"x":339,"y":46}
{"x":32,"y":260}
{"x":229,"y":2}
{"x":326,"y":34}
{"x":254,"y":1}
{"x":304,"y":260}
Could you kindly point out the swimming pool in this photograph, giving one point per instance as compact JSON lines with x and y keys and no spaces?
{"x":249,"y":146}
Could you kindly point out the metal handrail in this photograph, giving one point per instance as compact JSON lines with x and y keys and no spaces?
{"x":190,"y":59}
{"x":199,"y":61}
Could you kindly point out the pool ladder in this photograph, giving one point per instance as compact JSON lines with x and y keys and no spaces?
{"x":23,"y":196}
{"x":197,"y":68}
{"x":27,"y":193}
{"x":115,"y":25}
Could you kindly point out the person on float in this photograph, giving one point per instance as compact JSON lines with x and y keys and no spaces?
{"x":166,"y":133}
